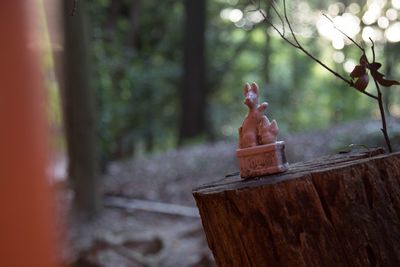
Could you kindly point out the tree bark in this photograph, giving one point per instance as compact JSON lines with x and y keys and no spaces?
{"x":79,"y":113}
{"x":338,"y":211}
{"x":193,"y":90}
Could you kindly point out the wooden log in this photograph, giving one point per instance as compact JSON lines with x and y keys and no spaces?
{"x":342,"y":210}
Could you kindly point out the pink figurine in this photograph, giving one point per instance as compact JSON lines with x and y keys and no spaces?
{"x":256,"y":128}
{"x":259,"y":152}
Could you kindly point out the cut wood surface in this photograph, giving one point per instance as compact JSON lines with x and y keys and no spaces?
{"x":342,"y":210}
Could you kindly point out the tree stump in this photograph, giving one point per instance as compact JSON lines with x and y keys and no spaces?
{"x":342,"y":210}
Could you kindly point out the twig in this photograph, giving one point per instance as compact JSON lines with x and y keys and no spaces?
{"x":378,"y":98}
{"x":380,"y":104}
{"x":295,"y":43}
{"x":362,"y":50}
{"x":300,"y":47}
{"x":279,"y":16}
{"x":367,"y":94}
{"x":342,"y":32}
{"x":373,"y":49}
{"x":269,"y":22}
{"x":289,"y":24}
{"x":383,"y":117}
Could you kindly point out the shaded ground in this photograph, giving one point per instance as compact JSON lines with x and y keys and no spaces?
{"x":136,"y":237}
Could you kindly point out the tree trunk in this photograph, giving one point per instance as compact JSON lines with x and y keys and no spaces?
{"x":79,"y":113}
{"x":193,"y":90}
{"x":338,"y":211}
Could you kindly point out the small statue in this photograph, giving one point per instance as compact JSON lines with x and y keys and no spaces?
{"x":259,"y":151}
{"x":256,"y":128}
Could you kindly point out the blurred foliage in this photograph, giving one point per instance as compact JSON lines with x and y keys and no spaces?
{"x":136,"y":86}
{"x":137,"y":72}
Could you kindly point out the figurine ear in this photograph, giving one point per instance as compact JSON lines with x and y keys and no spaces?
{"x":263,"y":106}
{"x":246,"y":88}
{"x":254,"y":87}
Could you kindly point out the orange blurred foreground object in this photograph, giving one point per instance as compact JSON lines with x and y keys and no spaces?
{"x":27,"y":232}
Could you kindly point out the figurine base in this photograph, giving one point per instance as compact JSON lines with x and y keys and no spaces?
{"x":262,"y":160}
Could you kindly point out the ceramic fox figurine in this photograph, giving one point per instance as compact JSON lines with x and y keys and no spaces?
{"x":256,"y":128}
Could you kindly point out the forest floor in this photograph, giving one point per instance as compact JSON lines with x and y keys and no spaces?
{"x":150,"y":218}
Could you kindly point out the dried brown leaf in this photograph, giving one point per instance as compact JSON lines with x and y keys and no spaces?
{"x":362,"y":82}
{"x":358,"y":71}
{"x":382,"y":81}
{"x":388,"y":83}
{"x":376,"y":74}
{"x":363,"y":60}
{"x":375,"y":66}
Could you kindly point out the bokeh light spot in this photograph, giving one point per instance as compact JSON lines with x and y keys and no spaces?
{"x":392,"y":33}
{"x":338,"y":57}
{"x":383,"y":22}
{"x":338,"y":43}
{"x":349,"y":65}
{"x":235,"y":15}
{"x":391,"y":14}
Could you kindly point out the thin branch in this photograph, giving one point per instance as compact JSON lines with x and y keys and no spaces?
{"x":350,"y":82}
{"x":290,"y":25}
{"x":299,"y":46}
{"x":269,"y":22}
{"x":342,"y":32}
{"x":361,"y":48}
{"x":279,"y":16}
{"x":258,"y":7}
{"x":373,"y":49}
{"x":380,"y":104}
{"x":278,"y":31}
{"x":383,"y":117}
{"x":367,"y":94}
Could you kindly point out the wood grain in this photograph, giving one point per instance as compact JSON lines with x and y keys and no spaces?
{"x":342,"y":210}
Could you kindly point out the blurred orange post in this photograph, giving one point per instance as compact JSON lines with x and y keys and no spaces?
{"x":27,"y":233}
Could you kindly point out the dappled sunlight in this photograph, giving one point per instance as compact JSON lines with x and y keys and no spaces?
{"x":254,"y":17}
{"x":372,"y":14}
{"x":348,"y":23}
{"x":146,"y":99}
{"x":396,"y":4}
{"x":395,"y":110}
{"x":383,"y":22}
{"x":391,"y":14}
{"x":348,"y":19}
{"x":338,"y":57}
{"x":393,"y":33}
{"x":377,"y":13}
{"x":349,"y":65}
{"x":235,"y":15}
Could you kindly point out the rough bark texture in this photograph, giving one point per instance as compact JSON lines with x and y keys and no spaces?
{"x":339,"y":211}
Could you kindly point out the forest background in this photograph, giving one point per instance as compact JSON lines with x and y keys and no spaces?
{"x":167,"y":74}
